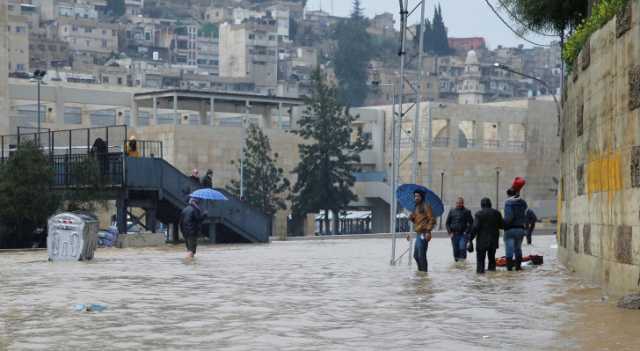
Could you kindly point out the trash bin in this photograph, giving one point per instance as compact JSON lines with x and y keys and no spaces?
{"x":72,"y":236}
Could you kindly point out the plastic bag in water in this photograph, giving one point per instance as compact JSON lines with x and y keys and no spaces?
{"x":94,"y":307}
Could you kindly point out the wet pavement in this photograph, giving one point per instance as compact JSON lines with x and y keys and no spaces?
{"x":315,"y":295}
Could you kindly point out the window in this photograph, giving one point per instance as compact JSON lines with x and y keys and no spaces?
{"x":88,"y":30}
{"x":147,"y":36}
{"x":9,"y":29}
{"x":104,"y":43}
{"x":74,"y":28}
{"x":105,"y":80}
{"x":272,"y":38}
{"x":88,"y":42}
{"x":119,"y":81}
{"x":53,"y":48}
{"x":65,"y":29}
{"x":113,"y":32}
{"x":252,"y":36}
{"x":20,"y":67}
{"x":19,"y":29}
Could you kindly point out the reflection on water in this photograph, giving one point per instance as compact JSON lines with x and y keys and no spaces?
{"x":321,"y":295}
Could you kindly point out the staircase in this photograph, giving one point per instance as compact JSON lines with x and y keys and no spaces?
{"x":157,"y":180}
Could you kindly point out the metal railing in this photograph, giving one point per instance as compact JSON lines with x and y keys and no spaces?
{"x":440,"y":142}
{"x":68,"y":172}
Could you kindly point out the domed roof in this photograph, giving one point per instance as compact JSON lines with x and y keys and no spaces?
{"x":472,"y":58}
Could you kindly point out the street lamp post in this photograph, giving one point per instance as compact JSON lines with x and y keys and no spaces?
{"x":38,"y":75}
{"x":498,"y":169}
{"x":511,"y":70}
{"x":441,"y":194}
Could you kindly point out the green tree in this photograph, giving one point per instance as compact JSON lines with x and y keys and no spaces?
{"x":550,"y":16}
{"x":352,"y":57}
{"x":436,"y":38}
{"x":116,"y":7}
{"x":88,"y":190}
{"x":26,"y":199}
{"x":330,"y":155}
{"x":265,"y":184}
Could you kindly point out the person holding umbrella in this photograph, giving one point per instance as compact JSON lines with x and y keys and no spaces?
{"x":192,"y":216}
{"x":423,"y":221}
{"x":425,"y":206}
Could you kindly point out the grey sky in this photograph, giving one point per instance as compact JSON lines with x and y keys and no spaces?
{"x":464,"y":18}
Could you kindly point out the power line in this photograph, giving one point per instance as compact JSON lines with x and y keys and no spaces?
{"x":511,"y":28}
{"x":517,"y":19}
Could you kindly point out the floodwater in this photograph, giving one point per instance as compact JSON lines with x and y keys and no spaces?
{"x":319,"y":295}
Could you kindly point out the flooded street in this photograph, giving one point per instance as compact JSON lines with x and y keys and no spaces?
{"x":315,"y":295}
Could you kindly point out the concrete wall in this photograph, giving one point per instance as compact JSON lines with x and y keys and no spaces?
{"x":599,"y":212}
{"x":526,"y":132}
{"x":4,"y":65}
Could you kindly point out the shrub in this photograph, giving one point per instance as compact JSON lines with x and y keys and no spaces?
{"x":602,"y":13}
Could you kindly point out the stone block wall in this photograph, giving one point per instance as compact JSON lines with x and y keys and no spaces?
{"x":599,"y":200}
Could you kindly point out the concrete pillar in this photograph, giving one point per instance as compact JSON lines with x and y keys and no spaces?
{"x":175,"y":110}
{"x":380,"y":217}
{"x":280,"y":225}
{"x":154,"y":116}
{"x":85,"y":117}
{"x":151,"y":220}
{"x":5,"y":123}
{"x":454,"y":133}
{"x":212,"y":112}
{"x":59,"y":109}
{"x":203,"y":114}
{"x":267,"y":118}
{"x":280,"y":115}
{"x":133,"y":118}
{"x":503,"y":134}
{"x":479,"y":130}
{"x":310,"y":225}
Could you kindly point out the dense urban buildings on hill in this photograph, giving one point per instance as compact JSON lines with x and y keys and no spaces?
{"x":264,"y":47}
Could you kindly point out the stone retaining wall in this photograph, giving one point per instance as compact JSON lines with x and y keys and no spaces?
{"x":599,"y":201}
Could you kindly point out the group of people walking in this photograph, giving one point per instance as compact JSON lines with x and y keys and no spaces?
{"x":518,"y":222}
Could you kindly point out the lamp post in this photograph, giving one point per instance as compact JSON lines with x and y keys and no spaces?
{"x":38,"y":75}
{"x":498,"y":169}
{"x":441,"y":194}
{"x":511,"y":70}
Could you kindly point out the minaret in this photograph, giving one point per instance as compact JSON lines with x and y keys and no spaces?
{"x":4,"y":69}
{"x":472,"y":91}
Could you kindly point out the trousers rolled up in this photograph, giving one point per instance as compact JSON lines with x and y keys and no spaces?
{"x":420,"y":253}
{"x":459,"y":245}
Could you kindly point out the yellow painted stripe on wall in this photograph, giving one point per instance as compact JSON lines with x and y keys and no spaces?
{"x":604,"y":175}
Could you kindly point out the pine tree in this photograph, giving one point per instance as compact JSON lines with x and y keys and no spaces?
{"x":352,"y":57}
{"x":329,"y":158}
{"x":265,"y":185}
{"x":440,"y":36}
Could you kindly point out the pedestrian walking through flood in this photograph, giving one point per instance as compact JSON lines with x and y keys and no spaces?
{"x":486,"y":231}
{"x":423,"y":220}
{"x":515,"y":223}
{"x":459,"y":222}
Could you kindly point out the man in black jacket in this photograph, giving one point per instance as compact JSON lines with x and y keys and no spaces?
{"x":191,"y":220}
{"x":459,"y":223}
{"x":486,"y":231}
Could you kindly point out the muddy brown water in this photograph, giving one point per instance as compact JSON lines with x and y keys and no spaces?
{"x":315,"y":295}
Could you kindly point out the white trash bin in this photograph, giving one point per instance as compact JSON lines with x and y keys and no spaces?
{"x":72,"y":237}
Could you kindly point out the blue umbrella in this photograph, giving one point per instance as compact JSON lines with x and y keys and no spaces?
{"x":208,"y":194}
{"x":406,"y":198}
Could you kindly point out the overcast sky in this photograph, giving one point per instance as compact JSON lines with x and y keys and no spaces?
{"x":464,"y":18}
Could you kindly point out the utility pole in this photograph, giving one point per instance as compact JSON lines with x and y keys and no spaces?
{"x":397,"y":119}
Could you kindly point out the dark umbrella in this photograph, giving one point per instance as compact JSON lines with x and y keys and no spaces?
{"x":406,"y":198}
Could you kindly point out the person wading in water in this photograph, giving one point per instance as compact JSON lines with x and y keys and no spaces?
{"x":423,"y":220}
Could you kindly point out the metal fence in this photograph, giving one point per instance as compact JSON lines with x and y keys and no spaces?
{"x":78,"y":141}
{"x":68,"y":170}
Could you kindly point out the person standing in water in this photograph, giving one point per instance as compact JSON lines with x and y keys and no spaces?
{"x":459,"y":222}
{"x":191,"y":220}
{"x":515,"y":223}
{"x":486,"y":231}
{"x":423,"y":221}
